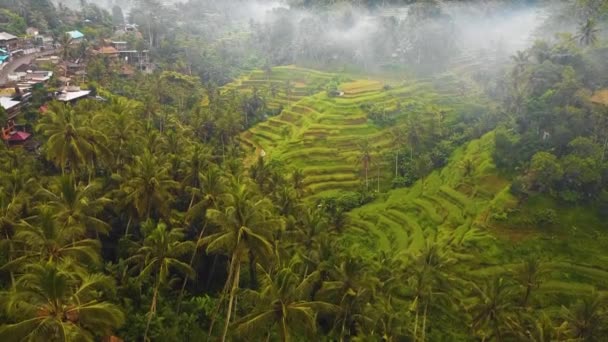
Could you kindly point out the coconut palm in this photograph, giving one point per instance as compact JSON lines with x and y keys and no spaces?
{"x":71,"y":142}
{"x":539,"y":327}
{"x":365,"y":159}
{"x":297,"y":181}
{"x":148,"y":186}
{"x":413,"y":133}
{"x":588,"y":318}
{"x":54,"y":302}
{"x":530,"y":274}
{"x":160,"y":253}
{"x":246,"y":223}
{"x":65,"y":41}
{"x":588,"y":31}
{"x":198,"y":157}
{"x":282,"y":304}
{"x":521,"y":60}
{"x":42,"y":238}
{"x":493,"y":311}
{"x":75,"y":206}
{"x":351,"y":286}
{"x":399,"y":139}
{"x":122,"y":126}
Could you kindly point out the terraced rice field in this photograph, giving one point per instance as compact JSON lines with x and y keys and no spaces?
{"x":322,"y":135}
{"x":445,"y":200}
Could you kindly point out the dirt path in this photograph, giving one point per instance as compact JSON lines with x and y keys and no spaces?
{"x":15,"y":63}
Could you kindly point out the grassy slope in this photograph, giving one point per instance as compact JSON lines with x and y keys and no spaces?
{"x":401,"y":220}
{"x":320,"y":135}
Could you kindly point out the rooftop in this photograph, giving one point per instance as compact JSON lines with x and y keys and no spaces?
{"x":7,"y":103}
{"x":600,"y":97}
{"x":19,"y":136}
{"x":75,"y":34}
{"x":72,"y":95}
{"x":6,"y":36}
{"x":108,"y":50}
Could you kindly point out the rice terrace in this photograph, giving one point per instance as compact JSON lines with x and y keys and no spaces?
{"x":304,"y":170}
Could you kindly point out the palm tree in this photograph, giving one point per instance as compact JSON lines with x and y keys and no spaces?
{"x":123,"y":128}
{"x":399,"y":139}
{"x":468,"y":167}
{"x":75,"y":206}
{"x":54,"y":302}
{"x":43,"y":239}
{"x":65,"y":41}
{"x":197,"y":161}
{"x":539,"y":327}
{"x":282,"y":302}
{"x":158,"y":255}
{"x":297,"y":180}
{"x":588,"y":32}
{"x":587,"y":318}
{"x":413,"y":134}
{"x":493,"y":310}
{"x":148,"y":186}
{"x":521,"y":59}
{"x":365,"y":159}
{"x":246,"y":223}
{"x":530,"y":274}
{"x":71,"y":142}
{"x":352,"y":286}
{"x":430,"y":284}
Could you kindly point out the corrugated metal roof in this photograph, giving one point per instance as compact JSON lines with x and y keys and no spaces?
{"x":6,"y":36}
{"x":75,"y":34}
{"x":7,"y":103}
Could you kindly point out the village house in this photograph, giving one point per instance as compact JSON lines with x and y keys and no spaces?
{"x":76,"y":36}
{"x":72,"y":94}
{"x":120,"y":45}
{"x":13,"y":134}
{"x":8,"y":41}
{"x":10,"y":105}
{"x":108,"y":51}
{"x":4,"y":57}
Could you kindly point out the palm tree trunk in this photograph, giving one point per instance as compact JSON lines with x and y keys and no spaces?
{"x":284,"y":332}
{"x":527,"y":295}
{"x":378,"y":190}
{"x":397,"y":164}
{"x":426,"y":305}
{"x":10,"y":258}
{"x":253,"y":281}
{"x":416,"y":323}
{"x":152,"y":306}
{"x":128,"y":225}
{"x":181,"y":292}
{"x":236,"y":270}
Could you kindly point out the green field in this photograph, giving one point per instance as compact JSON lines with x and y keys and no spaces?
{"x":321,"y":135}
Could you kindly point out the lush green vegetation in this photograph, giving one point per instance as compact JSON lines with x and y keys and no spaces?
{"x":311,"y":202}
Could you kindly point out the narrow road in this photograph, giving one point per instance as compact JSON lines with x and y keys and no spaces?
{"x":16,"y":62}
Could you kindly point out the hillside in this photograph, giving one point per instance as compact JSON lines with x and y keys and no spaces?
{"x":324,"y":136}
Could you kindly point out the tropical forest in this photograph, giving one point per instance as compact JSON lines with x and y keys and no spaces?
{"x":304,"y":170}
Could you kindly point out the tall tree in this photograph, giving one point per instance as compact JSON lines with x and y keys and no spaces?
{"x":148,"y":186}
{"x":282,"y":302}
{"x":246,"y":222}
{"x":587,"y":33}
{"x":55,"y":302}
{"x":160,"y":253}
{"x":71,"y":143}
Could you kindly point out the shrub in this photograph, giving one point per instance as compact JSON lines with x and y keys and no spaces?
{"x":545,"y":217}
